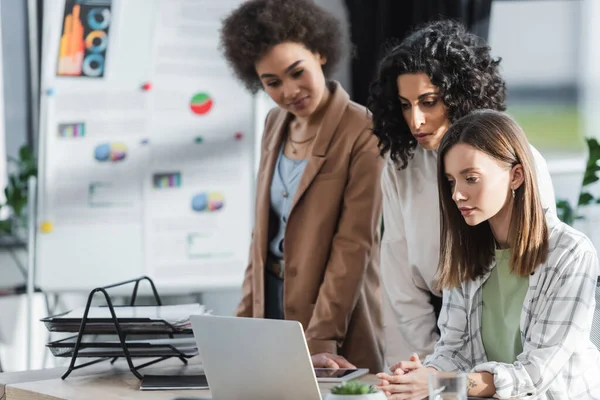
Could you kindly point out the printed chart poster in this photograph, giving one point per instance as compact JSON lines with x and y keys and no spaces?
{"x":84,"y":39}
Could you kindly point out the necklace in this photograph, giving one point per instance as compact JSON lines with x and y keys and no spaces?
{"x":292,"y":142}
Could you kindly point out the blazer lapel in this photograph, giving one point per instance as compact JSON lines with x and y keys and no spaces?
{"x":263,"y":191}
{"x":327,"y":127}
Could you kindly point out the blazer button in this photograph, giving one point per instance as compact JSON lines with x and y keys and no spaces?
{"x":291,"y":272}
{"x":291,"y":310}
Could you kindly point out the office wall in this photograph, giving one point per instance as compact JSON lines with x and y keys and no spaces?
{"x":3,"y":174}
{"x":13,"y":22}
{"x":589,"y":78}
{"x":338,"y":8}
{"x":528,"y":34}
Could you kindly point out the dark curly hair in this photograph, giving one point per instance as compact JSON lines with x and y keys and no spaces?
{"x":456,"y":61}
{"x":258,"y":25}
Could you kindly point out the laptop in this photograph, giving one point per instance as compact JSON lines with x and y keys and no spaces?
{"x":253,"y":358}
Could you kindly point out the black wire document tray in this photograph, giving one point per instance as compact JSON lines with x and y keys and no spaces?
{"x":120,"y":328}
{"x":132,"y":319}
{"x":138,"y":346}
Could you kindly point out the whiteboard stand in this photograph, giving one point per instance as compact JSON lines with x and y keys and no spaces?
{"x":32,"y":222}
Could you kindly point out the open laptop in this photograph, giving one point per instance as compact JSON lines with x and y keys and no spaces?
{"x":252,"y":358}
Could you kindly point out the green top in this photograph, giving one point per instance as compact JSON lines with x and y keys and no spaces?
{"x":503,"y":295}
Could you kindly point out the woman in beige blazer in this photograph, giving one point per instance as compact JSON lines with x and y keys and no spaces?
{"x":314,"y":252}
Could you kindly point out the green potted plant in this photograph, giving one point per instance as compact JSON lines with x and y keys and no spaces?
{"x":568,"y":213}
{"x":16,"y":192}
{"x":355,"y":390}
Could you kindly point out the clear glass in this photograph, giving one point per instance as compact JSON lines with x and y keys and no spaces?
{"x":448,"y":386}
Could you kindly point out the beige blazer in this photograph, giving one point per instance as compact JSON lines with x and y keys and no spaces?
{"x":332,"y":235}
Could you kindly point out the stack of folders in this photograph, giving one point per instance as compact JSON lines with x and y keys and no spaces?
{"x":149,"y":331}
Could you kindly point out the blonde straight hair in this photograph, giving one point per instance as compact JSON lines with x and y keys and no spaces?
{"x":467,"y":252}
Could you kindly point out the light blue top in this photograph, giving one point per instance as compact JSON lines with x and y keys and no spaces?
{"x":286,"y":178}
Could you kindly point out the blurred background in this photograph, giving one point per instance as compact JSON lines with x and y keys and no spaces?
{"x":551,"y":62}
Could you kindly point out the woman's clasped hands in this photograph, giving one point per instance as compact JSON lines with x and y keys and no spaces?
{"x":409,"y":380}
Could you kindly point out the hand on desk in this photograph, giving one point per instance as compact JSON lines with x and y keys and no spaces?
{"x":328,"y":360}
{"x":409,"y":380}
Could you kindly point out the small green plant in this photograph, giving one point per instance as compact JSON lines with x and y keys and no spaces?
{"x":353,"y":387}
{"x":16,"y":189}
{"x":567,"y":213}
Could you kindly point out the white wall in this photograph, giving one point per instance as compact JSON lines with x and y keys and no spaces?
{"x":537,"y":40}
{"x":3,"y":173}
{"x":13,"y":24}
{"x":589,"y":78}
{"x":338,"y":8}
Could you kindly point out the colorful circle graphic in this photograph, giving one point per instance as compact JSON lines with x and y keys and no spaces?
{"x":93,"y":65}
{"x":98,"y":18}
{"x":201,"y":103}
{"x":208,"y":202}
{"x":200,"y":202}
{"x":216,"y":201}
{"x":110,"y":152}
{"x":96,"y":41}
{"x":102,"y":152}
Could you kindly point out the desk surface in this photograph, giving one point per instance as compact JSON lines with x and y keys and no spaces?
{"x":8,"y":378}
{"x":110,"y":382}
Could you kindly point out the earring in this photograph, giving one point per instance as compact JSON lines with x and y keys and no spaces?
{"x":513,"y":193}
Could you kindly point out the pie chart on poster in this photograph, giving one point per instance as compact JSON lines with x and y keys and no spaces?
{"x":201,"y":103}
{"x":215,"y":201}
{"x":110,"y":152}
{"x":208,"y":202}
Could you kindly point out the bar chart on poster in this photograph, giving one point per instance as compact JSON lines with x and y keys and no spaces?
{"x":147,"y":147}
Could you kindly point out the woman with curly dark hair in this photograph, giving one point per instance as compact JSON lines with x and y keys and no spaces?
{"x":435,"y":76}
{"x":315,"y":245}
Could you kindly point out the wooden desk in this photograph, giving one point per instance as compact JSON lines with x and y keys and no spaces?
{"x":8,"y":378}
{"x":114,"y":382}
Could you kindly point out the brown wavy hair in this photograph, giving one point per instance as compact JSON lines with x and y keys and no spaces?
{"x":467,"y":252}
